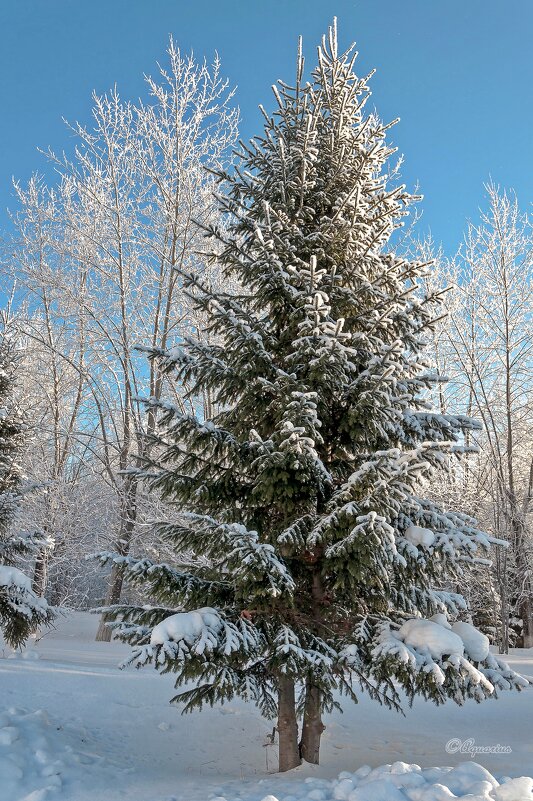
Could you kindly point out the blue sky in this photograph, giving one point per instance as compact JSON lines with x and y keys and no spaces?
{"x":458,"y":73}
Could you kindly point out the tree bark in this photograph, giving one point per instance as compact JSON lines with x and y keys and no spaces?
{"x":503,"y":576}
{"x":289,"y":752}
{"x":116,"y":579}
{"x":519,"y":537}
{"x":113,"y":597}
{"x":312,"y":725}
{"x":40,"y":572}
{"x":526,"y":613}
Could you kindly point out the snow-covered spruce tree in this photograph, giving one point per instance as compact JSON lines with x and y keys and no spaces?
{"x":301,"y":499}
{"x":21,"y":610}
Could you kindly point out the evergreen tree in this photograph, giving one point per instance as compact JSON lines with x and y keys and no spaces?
{"x":319,"y":561}
{"x":21,"y":610}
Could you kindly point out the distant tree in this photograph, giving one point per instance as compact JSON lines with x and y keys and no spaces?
{"x":485,"y":347}
{"x":303,"y":492}
{"x":21,"y":610}
{"x":95,"y":258}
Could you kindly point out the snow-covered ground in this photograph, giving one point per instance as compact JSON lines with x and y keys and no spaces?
{"x":73,"y":728}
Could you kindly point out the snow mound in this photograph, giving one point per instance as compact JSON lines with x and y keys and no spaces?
{"x":13,"y":577}
{"x":417,"y":535}
{"x":515,"y":789}
{"x":420,"y":633}
{"x":187,"y":626}
{"x":17,"y":585}
{"x":397,"y":782}
{"x":25,"y":652}
{"x":441,"y":619}
{"x":40,"y":760}
{"x":475,"y":642}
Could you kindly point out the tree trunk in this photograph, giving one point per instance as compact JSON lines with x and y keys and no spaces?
{"x":289,"y":753}
{"x":526,"y":613}
{"x":113,"y":597}
{"x":40,"y":572}
{"x":502,"y":577}
{"x":525,"y":610}
{"x":312,"y":725}
{"x":116,"y":579}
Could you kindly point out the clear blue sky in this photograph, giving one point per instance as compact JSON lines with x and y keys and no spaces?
{"x":458,"y":72}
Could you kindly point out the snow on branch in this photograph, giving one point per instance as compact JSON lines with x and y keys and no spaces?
{"x":21,"y":610}
{"x":432,"y":657}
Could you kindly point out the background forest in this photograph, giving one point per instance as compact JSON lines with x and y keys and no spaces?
{"x":91,"y":276}
{"x":266,"y":409}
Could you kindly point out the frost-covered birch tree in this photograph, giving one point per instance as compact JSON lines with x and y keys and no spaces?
{"x":303,"y":493}
{"x":487,"y":346}
{"x":102,"y":262}
{"x":51,"y":385}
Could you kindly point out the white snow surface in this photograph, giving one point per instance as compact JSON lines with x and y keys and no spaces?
{"x":421,"y":633}
{"x":441,"y":619}
{"x":19,"y":590}
{"x":187,"y":626}
{"x":417,"y":535}
{"x":476,"y":643}
{"x":75,"y":728}
{"x":13,"y":577}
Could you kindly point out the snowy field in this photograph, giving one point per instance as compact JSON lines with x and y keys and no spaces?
{"x":73,"y":727}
